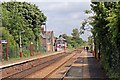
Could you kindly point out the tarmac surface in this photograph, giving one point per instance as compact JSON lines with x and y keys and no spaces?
{"x":86,"y":67}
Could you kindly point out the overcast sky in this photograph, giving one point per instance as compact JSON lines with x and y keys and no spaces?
{"x":63,"y":16}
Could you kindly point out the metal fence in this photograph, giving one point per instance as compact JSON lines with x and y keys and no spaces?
{"x":14,"y":51}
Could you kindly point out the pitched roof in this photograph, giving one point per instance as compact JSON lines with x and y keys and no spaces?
{"x":61,"y":38}
{"x":49,"y":34}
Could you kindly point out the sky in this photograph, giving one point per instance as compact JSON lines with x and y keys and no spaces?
{"x":63,"y":16}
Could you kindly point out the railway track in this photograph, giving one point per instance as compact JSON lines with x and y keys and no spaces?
{"x":24,"y":68}
{"x":53,"y":66}
{"x":61,"y":73}
{"x":57,"y":70}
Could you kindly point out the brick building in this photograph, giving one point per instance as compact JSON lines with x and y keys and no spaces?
{"x":47,"y":39}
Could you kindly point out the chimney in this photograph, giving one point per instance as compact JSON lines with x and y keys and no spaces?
{"x":42,"y":29}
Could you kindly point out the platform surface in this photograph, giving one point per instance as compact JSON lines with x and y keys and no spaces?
{"x":21,"y":60}
{"x":87,"y":68}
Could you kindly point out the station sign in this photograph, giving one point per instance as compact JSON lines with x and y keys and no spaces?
{"x":3,"y":41}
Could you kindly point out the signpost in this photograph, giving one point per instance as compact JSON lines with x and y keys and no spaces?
{"x":5,"y":42}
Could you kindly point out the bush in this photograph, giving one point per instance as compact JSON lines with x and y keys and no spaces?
{"x":13,"y":49}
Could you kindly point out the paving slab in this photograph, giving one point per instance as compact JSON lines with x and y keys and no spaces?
{"x":87,"y":67}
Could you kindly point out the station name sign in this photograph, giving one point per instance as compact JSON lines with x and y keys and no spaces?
{"x":3,"y":41}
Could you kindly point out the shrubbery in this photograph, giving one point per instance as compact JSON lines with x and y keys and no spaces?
{"x":21,"y":18}
{"x":106,"y":33}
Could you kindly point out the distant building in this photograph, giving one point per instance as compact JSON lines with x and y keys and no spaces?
{"x":47,"y":39}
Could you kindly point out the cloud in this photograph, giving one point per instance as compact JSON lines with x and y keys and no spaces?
{"x":63,"y":15}
{"x":71,"y":10}
{"x":63,"y":6}
{"x":49,"y":0}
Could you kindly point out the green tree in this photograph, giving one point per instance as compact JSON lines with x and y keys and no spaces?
{"x":75,"y":33}
{"x":22,"y":16}
{"x":73,"y":41}
{"x":106,"y":34}
{"x":13,"y":48}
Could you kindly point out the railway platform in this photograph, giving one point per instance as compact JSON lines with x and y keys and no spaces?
{"x":86,"y":68}
{"x":20,"y":60}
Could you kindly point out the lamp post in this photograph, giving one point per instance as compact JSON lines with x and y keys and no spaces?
{"x":21,"y":44}
{"x":31,"y":48}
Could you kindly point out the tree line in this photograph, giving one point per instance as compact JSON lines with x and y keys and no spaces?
{"x":21,"y":18}
{"x":74,"y":41}
{"x":106,"y":34}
